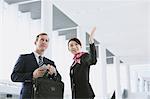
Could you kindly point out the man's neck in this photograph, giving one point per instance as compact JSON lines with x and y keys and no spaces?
{"x":39,"y":52}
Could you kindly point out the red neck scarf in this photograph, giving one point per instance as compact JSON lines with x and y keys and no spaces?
{"x":77,"y":56}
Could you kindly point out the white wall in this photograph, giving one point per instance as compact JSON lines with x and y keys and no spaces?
{"x":122,"y":25}
{"x":148,"y":11}
{"x":17,"y":36}
{"x":22,"y":30}
{"x":111,"y":75}
{"x":139,"y":71}
{"x":63,"y":60}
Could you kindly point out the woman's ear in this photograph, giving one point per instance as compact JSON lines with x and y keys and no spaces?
{"x":68,"y":49}
{"x":80,"y":46}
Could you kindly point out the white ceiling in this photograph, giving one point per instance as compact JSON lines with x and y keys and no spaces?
{"x":123,"y":27}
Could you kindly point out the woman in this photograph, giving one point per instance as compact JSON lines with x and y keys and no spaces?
{"x":79,"y":71}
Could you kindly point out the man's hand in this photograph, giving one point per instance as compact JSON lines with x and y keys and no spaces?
{"x":51,"y":70}
{"x":39,"y":72}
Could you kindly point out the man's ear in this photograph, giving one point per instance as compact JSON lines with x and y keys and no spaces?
{"x":35,"y":42}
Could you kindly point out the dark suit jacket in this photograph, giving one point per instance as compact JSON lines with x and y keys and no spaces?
{"x":22,"y":72}
{"x":79,"y":74}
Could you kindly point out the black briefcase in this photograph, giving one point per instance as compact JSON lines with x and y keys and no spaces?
{"x":45,"y":88}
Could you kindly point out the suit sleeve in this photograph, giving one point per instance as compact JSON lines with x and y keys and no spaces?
{"x":18,"y":74}
{"x":93,"y":54}
{"x":91,"y":58}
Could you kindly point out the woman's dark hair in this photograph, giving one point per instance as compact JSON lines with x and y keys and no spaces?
{"x":76,"y":40}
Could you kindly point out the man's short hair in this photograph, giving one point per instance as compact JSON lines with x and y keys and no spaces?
{"x":37,"y":37}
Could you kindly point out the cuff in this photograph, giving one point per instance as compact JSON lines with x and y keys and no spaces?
{"x":91,"y":40}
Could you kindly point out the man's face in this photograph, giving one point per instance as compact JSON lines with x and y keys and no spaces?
{"x":42,"y":43}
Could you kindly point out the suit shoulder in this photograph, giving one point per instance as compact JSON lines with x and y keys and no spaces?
{"x":26,"y":55}
{"x":85,"y":54}
{"x":51,"y":61}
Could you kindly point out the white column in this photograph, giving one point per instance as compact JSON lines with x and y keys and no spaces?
{"x":135,"y":82}
{"x":81,"y":34}
{"x":1,"y":35}
{"x":1,"y":23}
{"x":117,"y":76}
{"x":46,"y":23}
{"x":128,"y":78}
{"x":146,"y":86}
{"x":103,"y":63}
{"x":141,"y":84}
{"x":148,"y":27}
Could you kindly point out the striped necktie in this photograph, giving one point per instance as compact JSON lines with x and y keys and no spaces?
{"x":40,"y":61}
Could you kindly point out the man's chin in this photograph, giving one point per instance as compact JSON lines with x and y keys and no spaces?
{"x":43,"y":49}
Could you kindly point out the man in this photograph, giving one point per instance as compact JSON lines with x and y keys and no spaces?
{"x":34,"y":65}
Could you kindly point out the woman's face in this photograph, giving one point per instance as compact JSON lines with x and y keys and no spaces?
{"x":74,"y":47}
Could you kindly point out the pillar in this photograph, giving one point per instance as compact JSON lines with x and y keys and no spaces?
{"x":117,"y":76}
{"x":46,"y":23}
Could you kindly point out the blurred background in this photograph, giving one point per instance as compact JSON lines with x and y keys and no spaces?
{"x":122,"y":42}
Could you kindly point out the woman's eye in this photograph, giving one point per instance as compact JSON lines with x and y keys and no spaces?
{"x":42,"y":40}
{"x":46,"y":40}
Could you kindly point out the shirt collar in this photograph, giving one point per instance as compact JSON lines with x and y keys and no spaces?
{"x":37,"y":55}
{"x":78,"y":55}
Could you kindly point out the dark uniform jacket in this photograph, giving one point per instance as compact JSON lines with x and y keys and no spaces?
{"x":79,"y":75}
